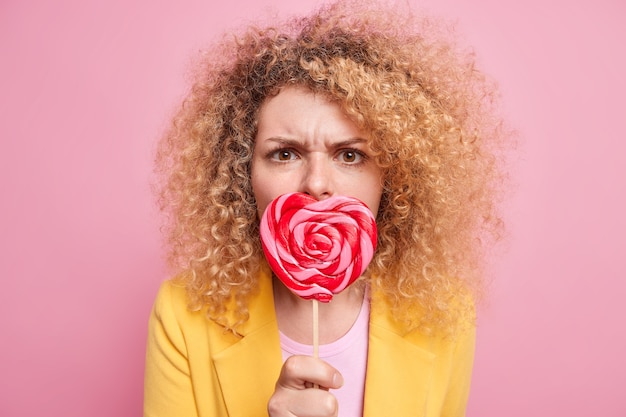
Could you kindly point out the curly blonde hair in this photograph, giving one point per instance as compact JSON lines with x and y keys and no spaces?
{"x":433,"y":130}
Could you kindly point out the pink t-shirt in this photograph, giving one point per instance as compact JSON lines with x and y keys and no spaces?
{"x":348,"y":355}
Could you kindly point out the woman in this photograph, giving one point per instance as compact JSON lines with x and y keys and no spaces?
{"x":352,"y":101}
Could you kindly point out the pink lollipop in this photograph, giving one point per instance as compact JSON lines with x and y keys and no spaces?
{"x":318,"y":248}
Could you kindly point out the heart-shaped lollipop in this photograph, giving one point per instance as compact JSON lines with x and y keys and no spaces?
{"x":318,"y":248}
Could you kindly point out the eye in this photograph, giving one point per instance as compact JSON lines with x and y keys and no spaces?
{"x":283,"y":155}
{"x":351,"y":156}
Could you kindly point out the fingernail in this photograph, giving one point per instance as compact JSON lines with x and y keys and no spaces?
{"x":337,"y":379}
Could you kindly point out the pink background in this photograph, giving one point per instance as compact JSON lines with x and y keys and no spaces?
{"x":86,"y":88}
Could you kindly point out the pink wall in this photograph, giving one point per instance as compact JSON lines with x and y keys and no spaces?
{"x":86,"y":88}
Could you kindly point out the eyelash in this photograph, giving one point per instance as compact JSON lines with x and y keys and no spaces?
{"x":274,"y":155}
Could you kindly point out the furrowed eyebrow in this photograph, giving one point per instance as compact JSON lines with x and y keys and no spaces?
{"x":284,"y":141}
{"x":340,"y":144}
{"x":350,"y":142}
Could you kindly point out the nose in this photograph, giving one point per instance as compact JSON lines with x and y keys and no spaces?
{"x":317,"y":180}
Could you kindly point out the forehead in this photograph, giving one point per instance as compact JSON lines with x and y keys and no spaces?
{"x":301,"y":112}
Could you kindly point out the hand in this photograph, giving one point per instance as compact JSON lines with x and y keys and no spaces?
{"x":295,"y":395}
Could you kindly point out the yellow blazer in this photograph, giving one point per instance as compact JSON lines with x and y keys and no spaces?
{"x":195,"y":368}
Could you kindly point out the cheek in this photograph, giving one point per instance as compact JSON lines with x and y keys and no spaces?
{"x":265,"y":188}
{"x":259,"y":193}
{"x":373,"y":200}
{"x":373,"y":191}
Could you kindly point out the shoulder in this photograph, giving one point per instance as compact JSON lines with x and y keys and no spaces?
{"x":171,"y":298}
{"x":448,"y":346}
{"x":170,"y":318}
{"x":171,"y":306}
{"x":173,"y":325}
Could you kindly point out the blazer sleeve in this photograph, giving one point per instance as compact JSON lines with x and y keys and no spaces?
{"x":167,"y":386}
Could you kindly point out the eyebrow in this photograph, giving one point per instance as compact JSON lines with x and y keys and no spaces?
{"x":295,"y":142}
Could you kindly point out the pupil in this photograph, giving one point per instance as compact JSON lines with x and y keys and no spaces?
{"x":349,"y":156}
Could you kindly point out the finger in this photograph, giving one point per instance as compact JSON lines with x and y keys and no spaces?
{"x":298,"y":370}
{"x":302,"y":403}
{"x":308,"y":384}
{"x":315,"y":403}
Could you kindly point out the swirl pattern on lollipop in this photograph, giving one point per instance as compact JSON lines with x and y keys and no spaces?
{"x":318,"y":248}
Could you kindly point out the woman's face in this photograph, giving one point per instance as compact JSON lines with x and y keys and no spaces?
{"x":306,"y":144}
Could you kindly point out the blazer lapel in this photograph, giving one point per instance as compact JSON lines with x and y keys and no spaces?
{"x":399,"y":371}
{"x":249,"y":368}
